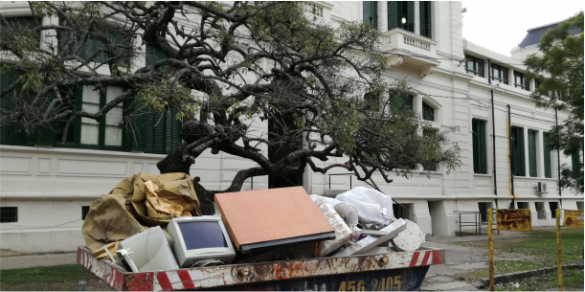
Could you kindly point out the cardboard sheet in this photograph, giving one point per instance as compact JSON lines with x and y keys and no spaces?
{"x":270,"y":215}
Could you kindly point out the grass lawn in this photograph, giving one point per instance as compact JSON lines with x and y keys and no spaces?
{"x":54,"y":278}
{"x":572,"y":281}
{"x":539,"y":248}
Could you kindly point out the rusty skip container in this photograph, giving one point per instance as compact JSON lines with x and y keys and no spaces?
{"x":394,"y":271}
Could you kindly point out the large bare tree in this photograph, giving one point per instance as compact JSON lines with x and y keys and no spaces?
{"x":222,"y":67}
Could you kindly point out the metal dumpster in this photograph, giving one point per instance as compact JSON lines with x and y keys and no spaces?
{"x":393,"y":271}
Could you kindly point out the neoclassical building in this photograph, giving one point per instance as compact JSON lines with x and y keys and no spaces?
{"x":47,"y":186}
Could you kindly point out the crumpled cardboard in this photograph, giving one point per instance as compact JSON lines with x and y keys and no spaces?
{"x":136,"y":203}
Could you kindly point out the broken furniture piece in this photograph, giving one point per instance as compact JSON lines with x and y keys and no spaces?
{"x":263,"y":219}
{"x":410,"y":239}
{"x":342,"y":231}
{"x":372,"y":241}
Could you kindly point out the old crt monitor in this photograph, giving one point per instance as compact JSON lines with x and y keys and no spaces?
{"x":200,"y":238}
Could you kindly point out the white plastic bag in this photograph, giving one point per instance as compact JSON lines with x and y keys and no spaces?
{"x":347,"y":211}
{"x":373,"y":207}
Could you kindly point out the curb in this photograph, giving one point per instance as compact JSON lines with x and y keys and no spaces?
{"x":525,"y":274}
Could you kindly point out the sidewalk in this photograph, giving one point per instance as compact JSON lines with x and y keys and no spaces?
{"x":37,"y":260}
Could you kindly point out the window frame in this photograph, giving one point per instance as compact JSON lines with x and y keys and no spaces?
{"x":523,"y":83}
{"x":502,"y":73}
{"x":478,"y":66}
{"x":479,"y":146}
{"x":3,"y":216}
{"x":371,"y":8}
{"x":532,"y":153}
{"x":426,"y":19}
{"x":518,"y":153}
{"x":428,"y":112}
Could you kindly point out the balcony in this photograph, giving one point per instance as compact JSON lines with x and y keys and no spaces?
{"x":404,"y":47}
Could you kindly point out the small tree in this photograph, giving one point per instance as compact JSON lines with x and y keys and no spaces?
{"x":559,"y":73}
{"x":221,"y":68}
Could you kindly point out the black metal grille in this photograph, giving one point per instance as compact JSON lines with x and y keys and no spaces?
{"x":8,"y":214}
{"x":84,"y":210}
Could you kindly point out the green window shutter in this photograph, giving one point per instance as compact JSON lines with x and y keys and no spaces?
{"x":479,"y":146}
{"x":10,"y":135}
{"x":518,"y":167}
{"x":394,"y":14}
{"x":532,"y":153}
{"x":409,"y":15}
{"x":428,"y":112}
{"x":505,"y":74}
{"x":370,"y":15}
{"x":27,"y":23}
{"x":173,"y":131}
{"x":546,"y":152}
{"x":425,"y":19}
{"x":154,"y":54}
{"x":159,"y":133}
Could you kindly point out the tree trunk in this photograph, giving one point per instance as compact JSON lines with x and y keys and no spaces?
{"x":174,"y":162}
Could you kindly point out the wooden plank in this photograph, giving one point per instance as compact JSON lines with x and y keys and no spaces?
{"x":267,"y":215}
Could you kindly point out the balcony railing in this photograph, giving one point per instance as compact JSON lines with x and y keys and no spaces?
{"x":404,"y":40}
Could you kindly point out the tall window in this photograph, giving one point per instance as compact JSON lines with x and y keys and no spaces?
{"x":425,"y":19}
{"x":428,"y":112}
{"x":430,"y":132}
{"x":371,"y":13}
{"x":519,"y":81}
{"x":479,"y":146}
{"x":474,"y":66}
{"x":546,"y":154}
{"x":402,"y":101}
{"x":372,"y":101}
{"x":532,"y":153}
{"x":499,"y":73}
{"x":517,"y":136}
{"x":24,"y":25}
{"x":397,"y":10}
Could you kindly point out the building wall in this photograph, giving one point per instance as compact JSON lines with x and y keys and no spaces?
{"x":50,"y":185}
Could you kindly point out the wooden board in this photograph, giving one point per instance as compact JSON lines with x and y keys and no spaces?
{"x":517,"y":219}
{"x":270,"y":215}
{"x":573,"y":219}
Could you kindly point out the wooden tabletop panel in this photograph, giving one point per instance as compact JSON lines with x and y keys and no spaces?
{"x":266,"y":215}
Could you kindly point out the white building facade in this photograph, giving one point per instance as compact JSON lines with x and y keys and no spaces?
{"x":46,"y":189}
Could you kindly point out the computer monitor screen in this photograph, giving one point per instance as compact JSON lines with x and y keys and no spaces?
{"x":202,"y":234}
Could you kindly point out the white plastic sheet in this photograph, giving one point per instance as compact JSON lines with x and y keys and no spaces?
{"x":373,"y":207}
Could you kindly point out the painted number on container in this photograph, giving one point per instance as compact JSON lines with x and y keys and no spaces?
{"x":389,"y":283}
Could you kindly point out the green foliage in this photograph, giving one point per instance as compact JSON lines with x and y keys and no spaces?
{"x":560,"y":72}
{"x":165,"y":94}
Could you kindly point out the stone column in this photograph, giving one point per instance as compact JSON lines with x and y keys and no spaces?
{"x":416,"y":18}
{"x":382,"y":16}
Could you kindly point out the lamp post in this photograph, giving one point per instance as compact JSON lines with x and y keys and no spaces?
{"x":403,"y":22}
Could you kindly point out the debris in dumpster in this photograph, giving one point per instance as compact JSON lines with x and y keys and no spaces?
{"x":348,"y":212}
{"x":373,"y":207}
{"x":342,"y":231}
{"x":288,"y":252}
{"x":263,"y":219}
{"x":372,"y":241}
{"x":200,"y":241}
{"x":150,"y":251}
{"x":410,"y":239}
{"x":128,"y":208}
{"x":125,"y":254}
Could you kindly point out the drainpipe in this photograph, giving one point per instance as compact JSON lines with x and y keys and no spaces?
{"x":511,"y":155}
{"x":493,"y":136}
{"x":558,"y":162}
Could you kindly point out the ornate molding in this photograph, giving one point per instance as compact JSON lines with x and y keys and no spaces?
{"x":393,"y":61}
{"x":426,"y":70}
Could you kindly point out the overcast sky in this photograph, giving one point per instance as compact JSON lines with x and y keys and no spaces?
{"x":501,"y":25}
